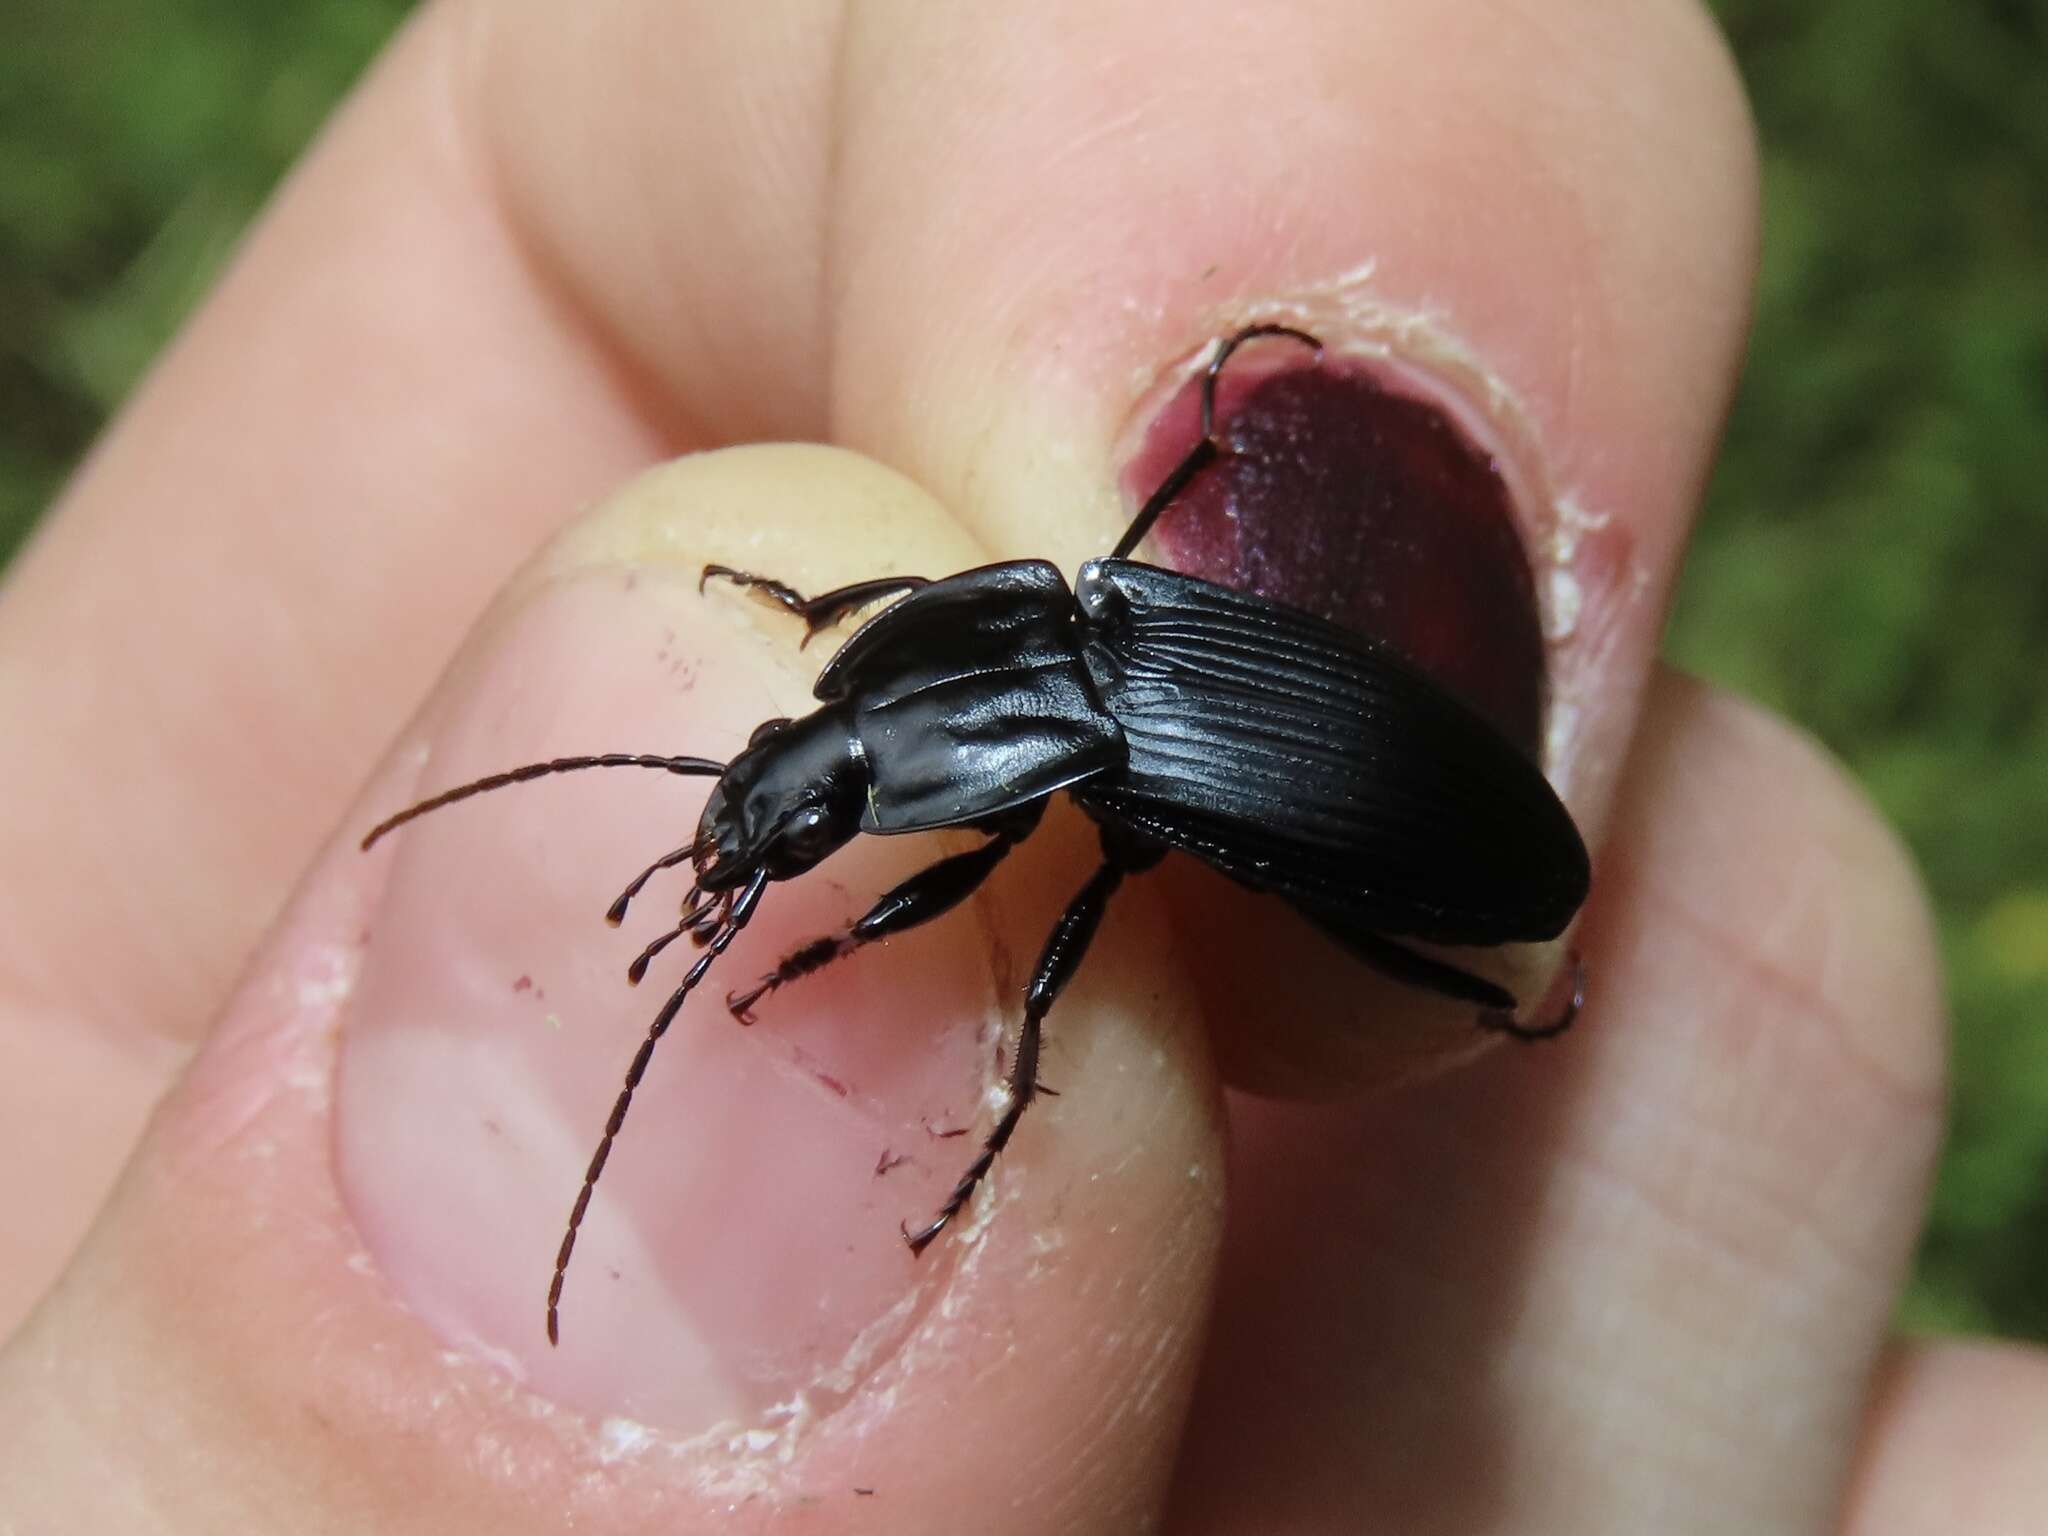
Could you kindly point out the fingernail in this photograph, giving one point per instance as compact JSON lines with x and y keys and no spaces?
{"x":1349,"y":490}
{"x":740,"y":1261}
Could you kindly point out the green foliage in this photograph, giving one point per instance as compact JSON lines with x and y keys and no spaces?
{"x":133,"y":151}
{"x":1874,"y":557}
{"x":1874,"y":560}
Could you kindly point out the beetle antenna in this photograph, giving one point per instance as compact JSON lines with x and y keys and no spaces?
{"x":741,"y":911}
{"x":682,"y":765}
{"x":1206,"y":448}
{"x":616,"y":914}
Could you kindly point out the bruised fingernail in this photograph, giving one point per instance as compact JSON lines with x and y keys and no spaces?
{"x":1346,"y":490}
{"x":740,"y":1258}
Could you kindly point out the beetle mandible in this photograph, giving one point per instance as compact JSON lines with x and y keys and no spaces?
{"x":1295,"y":756}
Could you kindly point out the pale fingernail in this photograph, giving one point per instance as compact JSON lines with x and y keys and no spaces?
{"x":740,"y":1257}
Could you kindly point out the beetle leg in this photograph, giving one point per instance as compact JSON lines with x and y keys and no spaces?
{"x":1505,"y":1023}
{"x":932,"y":891}
{"x":1446,"y":980}
{"x":824,"y":610}
{"x":1061,"y":957}
{"x":1209,"y":446}
{"x":1416,"y":970}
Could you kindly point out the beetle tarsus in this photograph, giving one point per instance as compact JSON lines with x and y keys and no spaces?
{"x":932,"y":892}
{"x":814,"y":956}
{"x":824,"y":610}
{"x":1528,"y":1034}
{"x":1061,"y":957}
{"x":1207,"y":447}
{"x":1410,"y":967}
{"x":1229,"y":345}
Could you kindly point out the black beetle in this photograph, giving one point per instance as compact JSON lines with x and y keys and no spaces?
{"x":1293,"y":755}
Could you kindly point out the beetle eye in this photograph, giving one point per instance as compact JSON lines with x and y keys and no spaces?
{"x":808,"y":834}
{"x":766,"y":729}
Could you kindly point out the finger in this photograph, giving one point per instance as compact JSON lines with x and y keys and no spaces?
{"x":392,"y":396}
{"x":351,"y":425}
{"x":742,"y":1325}
{"x":498,"y":197}
{"x":254,"y":577}
{"x":500,"y":241}
{"x":1549,"y":243}
{"x":1957,"y":1440}
{"x":1638,"y":1280}
{"x":914,"y":384}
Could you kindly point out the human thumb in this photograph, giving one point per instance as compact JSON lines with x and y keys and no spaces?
{"x":316,"y":1299}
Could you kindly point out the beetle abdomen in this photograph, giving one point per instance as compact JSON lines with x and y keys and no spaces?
{"x":1300,"y":758}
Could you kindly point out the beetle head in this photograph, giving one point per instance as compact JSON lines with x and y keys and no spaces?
{"x":793,"y":797}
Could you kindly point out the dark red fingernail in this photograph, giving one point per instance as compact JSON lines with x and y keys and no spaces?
{"x":1344,"y":494}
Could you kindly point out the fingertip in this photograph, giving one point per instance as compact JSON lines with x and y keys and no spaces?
{"x":1824,"y":886}
{"x":388,"y":1216}
{"x":1956,"y":1440}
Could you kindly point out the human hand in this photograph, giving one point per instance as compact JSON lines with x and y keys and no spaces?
{"x":1638,"y":1281}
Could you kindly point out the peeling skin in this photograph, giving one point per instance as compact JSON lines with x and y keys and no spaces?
{"x":733,"y":1460}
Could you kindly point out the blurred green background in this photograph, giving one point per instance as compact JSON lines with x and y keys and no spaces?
{"x":1874,"y":559}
